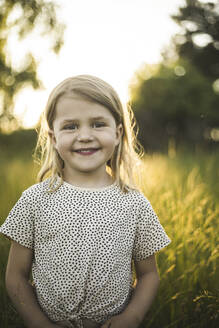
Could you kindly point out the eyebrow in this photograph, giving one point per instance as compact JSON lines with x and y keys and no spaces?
{"x":91,"y":119}
{"x":99,"y":118}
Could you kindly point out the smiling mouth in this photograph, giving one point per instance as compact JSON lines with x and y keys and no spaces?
{"x":86,"y":151}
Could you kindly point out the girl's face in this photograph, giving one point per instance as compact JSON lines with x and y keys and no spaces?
{"x":85,"y":135}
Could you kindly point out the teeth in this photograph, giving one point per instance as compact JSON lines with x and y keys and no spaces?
{"x":86,"y":151}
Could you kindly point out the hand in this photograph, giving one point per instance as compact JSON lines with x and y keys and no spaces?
{"x":50,"y":325}
{"x":54,"y":325}
{"x":61,"y":324}
{"x":121,"y":321}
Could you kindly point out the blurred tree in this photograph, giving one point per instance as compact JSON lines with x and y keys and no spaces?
{"x":198,"y":40}
{"x":20,"y":18}
{"x":174,"y":105}
{"x":177,"y":101}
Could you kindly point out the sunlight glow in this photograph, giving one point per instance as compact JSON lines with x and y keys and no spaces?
{"x":109,"y":39}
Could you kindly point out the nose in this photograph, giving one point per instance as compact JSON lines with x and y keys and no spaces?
{"x":84,"y":134}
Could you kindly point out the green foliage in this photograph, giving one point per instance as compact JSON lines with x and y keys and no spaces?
{"x":20,"y":143}
{"x":33,"y":15}
{"x":173,"y":101}
{"x":183,"y":191}
{"x":177,"y":101}
{"x":199,"y":37}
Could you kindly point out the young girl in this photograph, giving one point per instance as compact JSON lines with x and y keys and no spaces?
{"x":81,"y":226}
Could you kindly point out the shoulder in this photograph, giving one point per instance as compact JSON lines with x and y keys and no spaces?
{"x":136,"y":198}
{"x":136,"y":195}
{"x":36,"y":191}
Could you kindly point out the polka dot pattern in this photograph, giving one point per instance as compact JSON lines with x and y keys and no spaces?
{"x":83,"y":241}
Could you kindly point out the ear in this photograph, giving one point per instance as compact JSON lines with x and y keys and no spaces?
{"x":119,"y":133}
{"x":52,"y":137}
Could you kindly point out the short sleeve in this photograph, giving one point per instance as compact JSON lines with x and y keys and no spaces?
{"x":150,"y":235}
{"x":18,"y":226}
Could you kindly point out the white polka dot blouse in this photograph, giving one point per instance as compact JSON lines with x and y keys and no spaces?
{"x":83,"y":242}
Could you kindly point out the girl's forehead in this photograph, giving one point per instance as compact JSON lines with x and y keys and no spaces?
{"x":75,"y":106}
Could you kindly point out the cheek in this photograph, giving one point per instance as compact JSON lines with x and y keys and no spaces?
{"x":109,"y":141}
{"x":62,"y":144}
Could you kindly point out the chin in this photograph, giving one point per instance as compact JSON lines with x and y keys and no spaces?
{"x":86,"y":170}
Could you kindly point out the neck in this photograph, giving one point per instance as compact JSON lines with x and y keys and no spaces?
{"x":87,"y":181}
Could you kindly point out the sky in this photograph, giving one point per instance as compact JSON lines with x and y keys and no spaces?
{"x":110,"y":39}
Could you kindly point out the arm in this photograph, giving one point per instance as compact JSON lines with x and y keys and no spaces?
{"x":20,"y":290}
{"x":142,"y":298}
{"x":146,"y":289}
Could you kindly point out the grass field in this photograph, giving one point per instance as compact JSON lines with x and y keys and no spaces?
{"x":184,"y":192}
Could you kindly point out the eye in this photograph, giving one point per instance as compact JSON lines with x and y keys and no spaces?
{"x":71,"y":126}
{"x":99,"y":124}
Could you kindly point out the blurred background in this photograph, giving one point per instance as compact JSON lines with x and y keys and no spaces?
{"x":162,"y":57}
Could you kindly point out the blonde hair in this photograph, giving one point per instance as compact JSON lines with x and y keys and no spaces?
{"x":127,"y":154}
